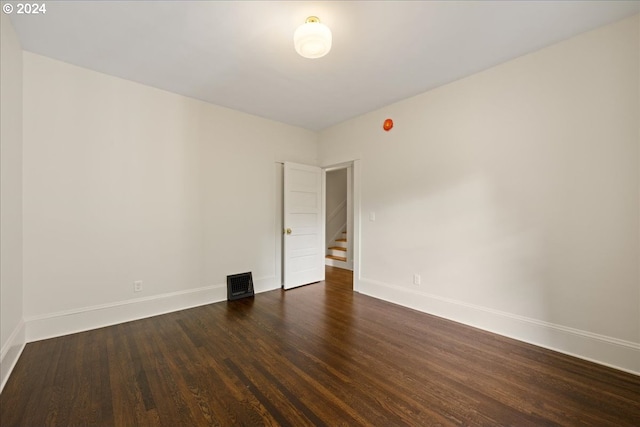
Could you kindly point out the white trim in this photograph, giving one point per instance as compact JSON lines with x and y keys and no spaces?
{"x":350,"y":217}
{"x":356,"y":232}
{"x":323,"y":219}
{"x":98,"y":316}
{"x":279,"y":220}
{"x":11,"y":352}
{"x":605,"y":350}
{"x":338,"y":166}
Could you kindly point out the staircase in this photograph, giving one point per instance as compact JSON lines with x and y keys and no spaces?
{"x":337,"y":252}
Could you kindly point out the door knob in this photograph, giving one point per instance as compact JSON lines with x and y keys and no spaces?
{"x":288,"y":231}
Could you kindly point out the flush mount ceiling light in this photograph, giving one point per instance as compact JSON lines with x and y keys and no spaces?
{"x":312,"y":39}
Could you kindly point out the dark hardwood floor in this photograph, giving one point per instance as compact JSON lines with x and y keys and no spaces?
{"x":316,"y":355}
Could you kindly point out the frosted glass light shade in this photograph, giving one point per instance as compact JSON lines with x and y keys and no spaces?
{"x":312,"y":39}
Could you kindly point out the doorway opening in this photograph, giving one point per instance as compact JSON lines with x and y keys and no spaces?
{"x":338,"y":204}
{"x":342,"y":220}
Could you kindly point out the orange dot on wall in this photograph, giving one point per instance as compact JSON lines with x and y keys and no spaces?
{"x":388,"y":124}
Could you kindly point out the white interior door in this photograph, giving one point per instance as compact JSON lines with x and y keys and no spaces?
{"x":303,"y":225}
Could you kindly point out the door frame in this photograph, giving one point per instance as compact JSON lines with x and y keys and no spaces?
{"x":355,"y":220}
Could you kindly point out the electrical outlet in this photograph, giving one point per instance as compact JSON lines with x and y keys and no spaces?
{"x":416,"y":279}
{"x":137,"y":286}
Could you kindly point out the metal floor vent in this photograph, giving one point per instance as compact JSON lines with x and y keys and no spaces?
{"x":239,"y":286}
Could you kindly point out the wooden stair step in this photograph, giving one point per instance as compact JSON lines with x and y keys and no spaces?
{"x":338,"y":248}
{"x":341,"y":240}
{"x":337,"y":258}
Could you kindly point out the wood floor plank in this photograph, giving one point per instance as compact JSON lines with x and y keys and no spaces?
{"x":316,"y":355}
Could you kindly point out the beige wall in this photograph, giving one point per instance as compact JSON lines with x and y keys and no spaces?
{"x":11,"y":324}
{"x":124,"y":182}
{"x":514,"y":194}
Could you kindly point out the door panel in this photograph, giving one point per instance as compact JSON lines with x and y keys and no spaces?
{"x":303,"y":225}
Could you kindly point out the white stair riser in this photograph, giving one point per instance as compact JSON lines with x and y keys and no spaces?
{"x":338,"y":264}
{"x":336,"y":252}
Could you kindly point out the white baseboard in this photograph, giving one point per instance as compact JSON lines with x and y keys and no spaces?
{"x":83,"y":319}
{"x":608,"y":351}
{"x":11,"y":352}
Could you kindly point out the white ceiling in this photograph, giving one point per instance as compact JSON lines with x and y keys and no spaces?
{"x":240,"y":54}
